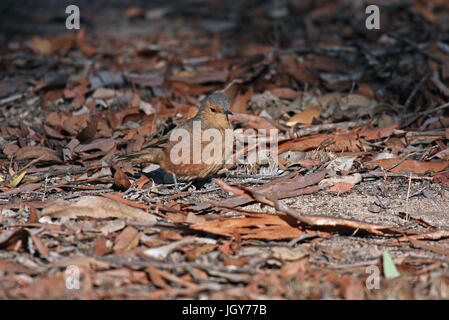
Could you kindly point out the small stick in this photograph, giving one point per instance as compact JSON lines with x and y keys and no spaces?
{"x":414,"y":92}
{"x":408,"y":195}
{"x":439,"y":84}
{"x":236,"y":80}
{"x":329,"y":126}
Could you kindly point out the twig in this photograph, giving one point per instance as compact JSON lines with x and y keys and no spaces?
{"x":440,"y":85}
{"x":354,"y":265}
{"x":423,"y":113}
{"x":11,"y":98}
{"x":408,"y":195}
{"x":304,"y":236}
{"x":416,"y":47}
{"x":45,"y":189}
{"x":175,"y":265}
{"x":236,"y":80}
{"x":414,"y":92}
{"x":70,"y":170}
{"x":329,"y":126}
{"x":375,"y":174}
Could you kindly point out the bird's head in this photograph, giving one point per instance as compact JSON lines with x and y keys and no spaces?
{"x":217,"y":103}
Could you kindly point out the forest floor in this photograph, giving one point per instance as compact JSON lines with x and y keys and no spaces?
{"x":356,"y":206}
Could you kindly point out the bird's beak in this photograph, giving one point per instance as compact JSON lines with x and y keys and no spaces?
{"x":227,"y":111}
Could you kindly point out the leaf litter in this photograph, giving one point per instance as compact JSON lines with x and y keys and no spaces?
{"x":361,"y":178}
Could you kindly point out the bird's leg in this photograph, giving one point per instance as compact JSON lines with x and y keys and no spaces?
{"x":186,"y":186}
{"x":176,"y":183}
{"x":178,"y":188}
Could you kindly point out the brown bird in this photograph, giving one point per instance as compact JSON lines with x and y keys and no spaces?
{"x":196,"y":155}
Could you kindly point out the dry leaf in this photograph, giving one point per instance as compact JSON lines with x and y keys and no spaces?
{"x":127,"y":239}
{"x":341,"y":187}
{"x":305,"y":117}
{"x":285,"y":93}
{"x":13,"y":239}
{"x":37,"y":152}
{"x":262,"y":226}
{"x":95,"y":208}
{"x":15,"y":182}
{"x":121,"y":181}
{"x":409,"y":165}
{"x":161,"y":253}
{"x":100,"y":247}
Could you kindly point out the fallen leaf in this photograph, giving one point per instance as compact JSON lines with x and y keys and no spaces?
{"x":37,"y":152}
{"x":88,"y":133}
{"x":13,"y":239}
{"x":192,"y":254}
{"x":285,"y":93}
{"x":104,"y":93}
{"x":409,"y":165}
{"x":100,"y":248}
{"x":238,"y":262}
{"x":121,"y":181}
{"x":262,"y":226}
{"x":389,"y":268}
{"x":352,"y":179}
{"x":305,"y":117}
{"x":163,"y":252}
{"x":126,"y":240}
{"x":96,"y":208}
{"x":16,"y":180}
{"x":341,"y":187}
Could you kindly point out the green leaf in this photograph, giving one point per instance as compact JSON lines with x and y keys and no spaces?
{"x":390,"y":271}
{"x":15,"y":182}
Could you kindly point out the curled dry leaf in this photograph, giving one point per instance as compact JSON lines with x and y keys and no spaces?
{"x":95,"y":208}
{"x":88,"y":133}
{"x":13,"y":239}
{"x":121,"y":181}
{"x":37,"y":152}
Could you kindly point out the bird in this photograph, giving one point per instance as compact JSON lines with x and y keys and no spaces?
{"x":212,"y":114}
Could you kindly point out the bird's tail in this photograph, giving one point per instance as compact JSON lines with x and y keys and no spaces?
{"x":152,"y":155}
